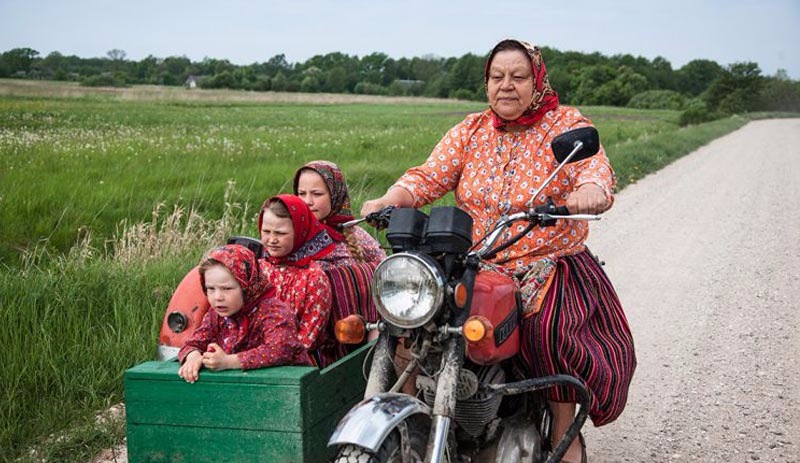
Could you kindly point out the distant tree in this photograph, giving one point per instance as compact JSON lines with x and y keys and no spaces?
{"x":372,"y":68}
{"x":780,"y":93}
{"x":18,"y":60}
{"x":174,"y":70}
{"x":116,"y":54}
{"x":336,"y":80}
{"x":696,"y":76}
{"x":466,"y":74}
{"x":736,"y":90}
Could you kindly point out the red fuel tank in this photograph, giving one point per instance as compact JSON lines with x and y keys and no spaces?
{"x":184,"y":313}
{"x":494,"y":300}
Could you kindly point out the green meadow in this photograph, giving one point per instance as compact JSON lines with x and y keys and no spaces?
{"x":106,"y":202}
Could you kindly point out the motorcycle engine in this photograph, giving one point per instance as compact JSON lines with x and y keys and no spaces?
{"x":475,"y":408}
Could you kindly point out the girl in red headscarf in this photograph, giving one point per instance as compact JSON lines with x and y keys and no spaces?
{"x":246,"y":327}
{"x":294,"y":240}
{"x":322,"y":186}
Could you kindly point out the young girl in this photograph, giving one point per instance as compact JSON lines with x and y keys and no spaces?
{"x":293,"y":240}
{"x":246,"y":327}
{"x":322,"y":186}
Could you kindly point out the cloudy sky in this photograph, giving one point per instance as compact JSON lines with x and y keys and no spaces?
{"x":727,"y":31}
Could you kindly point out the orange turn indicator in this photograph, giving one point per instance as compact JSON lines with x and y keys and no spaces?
{"x":475,"y":328}
{"x":460,"y":295}
{"x":350,"y":330}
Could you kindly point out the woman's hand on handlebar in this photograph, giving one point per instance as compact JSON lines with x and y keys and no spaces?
{"x":396,"y":196}
{"x":589,"y":198}
{"x":373,"y":205}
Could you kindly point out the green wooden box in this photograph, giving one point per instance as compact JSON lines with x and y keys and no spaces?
{"x":280,"y":414}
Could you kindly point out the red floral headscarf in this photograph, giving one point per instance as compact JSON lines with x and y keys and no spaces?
{"x":544,"y":97}
{"x":311,"y":239}
{"x":340,"y":198}
{"x":243,"y":265}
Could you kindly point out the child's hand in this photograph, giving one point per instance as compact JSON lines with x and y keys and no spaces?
{"x":190,"y":370}
{"x":216,"y":359}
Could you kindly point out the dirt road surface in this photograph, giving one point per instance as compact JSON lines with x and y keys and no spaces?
{"x":705,"y":255}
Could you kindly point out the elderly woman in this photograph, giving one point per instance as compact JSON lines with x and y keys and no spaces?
{"x":495,"y":160}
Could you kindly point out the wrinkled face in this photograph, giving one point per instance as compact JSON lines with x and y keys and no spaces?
{"x":223,"y":291}
{"x":313,"y":190}
{"x":277,"y":234}
{"x":510,"y":85}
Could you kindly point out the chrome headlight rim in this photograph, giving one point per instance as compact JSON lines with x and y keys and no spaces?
{"x":436,"y":277}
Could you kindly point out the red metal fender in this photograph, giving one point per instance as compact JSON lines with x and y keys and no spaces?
{"x":186,"y":310}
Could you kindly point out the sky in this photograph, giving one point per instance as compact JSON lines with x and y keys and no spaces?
{"x":766,"y":32}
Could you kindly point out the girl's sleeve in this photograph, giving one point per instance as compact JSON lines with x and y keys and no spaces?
{"x":373,"y":253}
{"x":316,"y":307}
{"x":277,"y":342}
{"x":441,"y":172}
{"x":200,"y":339}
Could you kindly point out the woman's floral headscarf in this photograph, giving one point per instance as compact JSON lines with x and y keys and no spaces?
{"x":340,"y":198}
{"x":544,"y":97}
{"x":311,"y":239}
{"x":243,"y":264}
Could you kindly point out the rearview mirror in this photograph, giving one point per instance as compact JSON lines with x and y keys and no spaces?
{"x":565,"y":143}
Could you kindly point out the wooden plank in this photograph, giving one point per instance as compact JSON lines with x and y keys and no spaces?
{"x":240,"y":406}
{"x":340,"y":385}
{"x":288,"y":375}
{"x":185,"y":444}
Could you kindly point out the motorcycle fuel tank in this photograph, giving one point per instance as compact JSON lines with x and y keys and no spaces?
{"x":494,"y":300}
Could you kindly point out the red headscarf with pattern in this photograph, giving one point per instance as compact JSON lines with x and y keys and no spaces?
{"x":311,"y":239}
{"x":340,"y":198}
{"x":544,"y":97}
{"x":243,"y":265}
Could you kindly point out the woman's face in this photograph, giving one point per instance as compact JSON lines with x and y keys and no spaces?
{"x":510,"y":84}
{"x":277,"y":234}
{"x":223,"y":291}
{"x":312,"y":189}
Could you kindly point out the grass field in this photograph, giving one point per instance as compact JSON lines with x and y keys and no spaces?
{"x":107,"y":199}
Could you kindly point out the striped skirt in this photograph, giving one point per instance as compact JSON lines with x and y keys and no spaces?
{"x":581,"y":331}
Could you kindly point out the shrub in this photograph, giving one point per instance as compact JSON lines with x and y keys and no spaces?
{"x":105,"y":79}
{"x":368,"y":88}
{"x":697,"y":112}
{"x":658,"y":99}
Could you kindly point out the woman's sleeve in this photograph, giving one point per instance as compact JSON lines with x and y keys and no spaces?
{"x":373,"y":253}
{"x":200,"y":339}
{"x":278,"y":343}
{"x":316,"y":307}
{"x":440,"y":173}
{"x":595,"y":169}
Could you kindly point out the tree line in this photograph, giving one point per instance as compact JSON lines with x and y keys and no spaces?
{"x":702,"y":89}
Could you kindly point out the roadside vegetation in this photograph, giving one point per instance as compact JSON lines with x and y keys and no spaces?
{"x":106,"y":202}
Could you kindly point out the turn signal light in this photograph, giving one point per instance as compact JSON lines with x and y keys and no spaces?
{"x":350,"y":330}
{"x":475,"y":328}
{"x":460,"y":295}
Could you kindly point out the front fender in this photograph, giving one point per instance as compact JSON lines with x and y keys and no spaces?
{"x":371,"y":420}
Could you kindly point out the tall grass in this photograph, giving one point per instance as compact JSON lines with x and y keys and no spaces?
{"x":106,"y":204}
{"x":72,"y":324}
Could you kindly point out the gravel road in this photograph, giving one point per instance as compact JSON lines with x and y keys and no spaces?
{"x":705,"y":256}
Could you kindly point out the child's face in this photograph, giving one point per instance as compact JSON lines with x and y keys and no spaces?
{"x":223,"y":291}
{"x":313,"y":190}
{"x":277,"y":234}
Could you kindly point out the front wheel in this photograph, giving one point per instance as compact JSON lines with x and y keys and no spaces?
{"x":389,"y":451}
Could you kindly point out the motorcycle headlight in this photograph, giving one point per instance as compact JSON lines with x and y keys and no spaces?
{"x":408,"y":289}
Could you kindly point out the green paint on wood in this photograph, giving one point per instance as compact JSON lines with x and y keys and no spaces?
{"x":282,"y":414}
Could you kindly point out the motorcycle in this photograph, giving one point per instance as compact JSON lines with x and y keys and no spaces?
{"x":461,"y":324}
